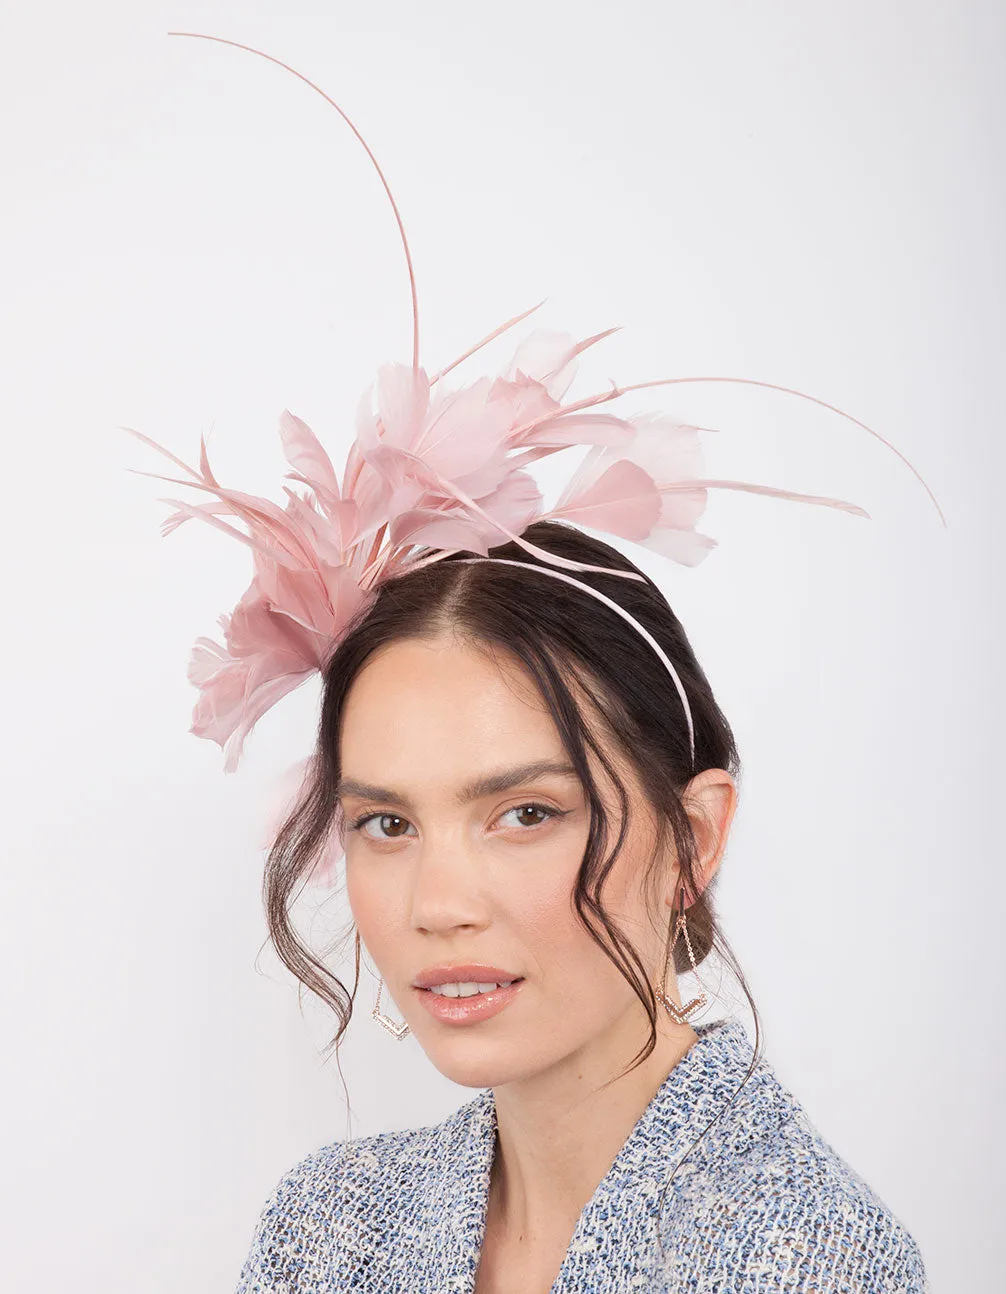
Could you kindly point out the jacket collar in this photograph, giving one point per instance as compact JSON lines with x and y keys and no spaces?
{"x":699,"y":1085}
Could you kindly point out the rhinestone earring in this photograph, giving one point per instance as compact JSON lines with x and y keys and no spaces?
{"x":681,"y":1014}
{"x":399,"y":1031}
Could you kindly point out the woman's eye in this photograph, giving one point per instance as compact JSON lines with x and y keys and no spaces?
{"x":529,"y":815}
{"x":394,"y":832}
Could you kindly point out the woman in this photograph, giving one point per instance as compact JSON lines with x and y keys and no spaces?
{"x":513,"y":784}
{"x":532,"y":786}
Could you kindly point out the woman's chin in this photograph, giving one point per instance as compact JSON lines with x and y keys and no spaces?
{"x":472,"y":1062}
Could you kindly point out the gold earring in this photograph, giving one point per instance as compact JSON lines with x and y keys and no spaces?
{"x":399,"y":1031}
{"x":681,"y":1014}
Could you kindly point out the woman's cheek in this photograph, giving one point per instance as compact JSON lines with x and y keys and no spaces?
{"x":363,"y":890}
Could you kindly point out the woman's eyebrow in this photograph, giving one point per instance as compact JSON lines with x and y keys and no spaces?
{"x":488,"y":784}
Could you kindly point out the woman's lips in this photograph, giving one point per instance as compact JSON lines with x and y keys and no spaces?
{"x":468,"y":1010}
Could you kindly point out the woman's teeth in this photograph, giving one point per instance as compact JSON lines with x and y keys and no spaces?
{"x":467,"y":989}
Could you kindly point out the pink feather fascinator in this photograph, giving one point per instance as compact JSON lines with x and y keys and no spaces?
{"x":434,"y":469}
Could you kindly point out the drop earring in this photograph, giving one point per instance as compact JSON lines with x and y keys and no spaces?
{"x":681,"y":1014}
{"x":399,"y":1031}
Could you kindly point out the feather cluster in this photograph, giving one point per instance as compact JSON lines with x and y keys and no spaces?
{"x":432,"y":470}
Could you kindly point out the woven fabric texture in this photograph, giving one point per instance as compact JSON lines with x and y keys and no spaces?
{"x":763,"y":1204}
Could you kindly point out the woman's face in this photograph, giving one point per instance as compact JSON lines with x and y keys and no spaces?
{"x":441,"y":871}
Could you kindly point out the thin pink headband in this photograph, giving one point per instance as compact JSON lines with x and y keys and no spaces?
{"x":432,"y":471}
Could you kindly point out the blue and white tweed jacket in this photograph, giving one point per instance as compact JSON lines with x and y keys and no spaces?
{"x":763,"y":1204}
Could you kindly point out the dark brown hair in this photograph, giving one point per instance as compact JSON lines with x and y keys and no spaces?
{"x":569,"y":650}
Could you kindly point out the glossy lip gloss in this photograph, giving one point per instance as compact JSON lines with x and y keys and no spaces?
{"x":468,"y":1010}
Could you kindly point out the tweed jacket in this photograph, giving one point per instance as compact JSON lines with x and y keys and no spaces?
{"x":762,"y":1204}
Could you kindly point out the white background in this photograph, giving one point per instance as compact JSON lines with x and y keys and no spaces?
{"x":806,"y":194}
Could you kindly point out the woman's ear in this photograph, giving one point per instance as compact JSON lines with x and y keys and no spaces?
{"x":710,"y":799}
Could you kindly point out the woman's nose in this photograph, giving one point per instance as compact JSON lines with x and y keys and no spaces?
{"x":446,"y":884}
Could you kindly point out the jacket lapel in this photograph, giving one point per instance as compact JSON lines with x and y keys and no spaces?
{"x":614,"y":1244}
{"x":456,"y":1209}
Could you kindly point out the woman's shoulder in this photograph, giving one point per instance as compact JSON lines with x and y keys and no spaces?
{"x":342,"y":1199}
{"x":373,"y":1160}
{"x":795,"y":1211}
